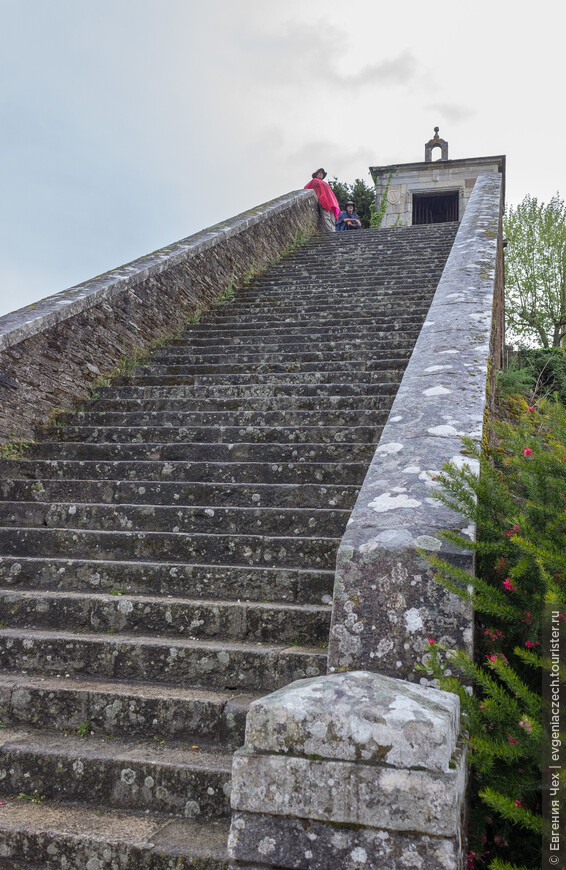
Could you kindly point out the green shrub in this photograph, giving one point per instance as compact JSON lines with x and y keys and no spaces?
{"x":519,"y":505}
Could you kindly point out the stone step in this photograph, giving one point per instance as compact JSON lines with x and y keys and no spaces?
{"x":300,"y":434}
{"x":357,"y":356}
{"x":277,"y":312}
{"x":347,"y":402}
{"x":244,"y":582}
{"x":370,"y":288}
{"x":287,"y":326}
{"x":298,"y":321}
{"x":118,"y":774}
{"x":369,"y":274}
{"x":150,"y":492}
{"x":324,"y":362}
{"x":205,"y":548}
{"x":363,"y":374}
{"x":244,"y":621}
{"x":299,"y":348}
{"x":137,"y":474}
{"x":371,"y":265}
{"x":125,"y":710}
{"x":52,"y":835}
{"x":199,"y":519}
{"x":204,"y":454}
{"x":247,"y":667}
{"x":357,"y":283}
{"x":371,"y":414}
{"x":303,"y":353}
{"x":387,"y":385}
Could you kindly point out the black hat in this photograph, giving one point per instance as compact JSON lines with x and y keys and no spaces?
{"x":319,"y":170}
{"x":349,"y":203}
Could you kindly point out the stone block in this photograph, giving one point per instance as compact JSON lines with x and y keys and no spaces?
{"x":387,"y":602}
{"x":357,"y":716}
{"x":348,"y":771}
{"x":300,"y":844}
{"x":349,"y":792}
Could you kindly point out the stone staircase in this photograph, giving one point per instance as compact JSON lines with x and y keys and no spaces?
{"x":167,"y":553}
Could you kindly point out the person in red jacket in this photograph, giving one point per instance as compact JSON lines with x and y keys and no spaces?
{"x":327,"y":202}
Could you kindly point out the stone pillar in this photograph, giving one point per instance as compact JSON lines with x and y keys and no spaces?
{"x":352,"y":771}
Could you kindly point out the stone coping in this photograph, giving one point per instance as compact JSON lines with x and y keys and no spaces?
{"x":456,"y":163}
{"x":26,"y":322}
{"x":442,"y":397}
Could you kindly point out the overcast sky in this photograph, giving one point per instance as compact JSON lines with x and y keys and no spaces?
{"x":129,"y":124}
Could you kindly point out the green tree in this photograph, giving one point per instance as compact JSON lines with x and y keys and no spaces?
{"x":535,"y":271}
{"x":361,"y":194}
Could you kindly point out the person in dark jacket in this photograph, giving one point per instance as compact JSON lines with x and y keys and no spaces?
{"x":348,"y":220}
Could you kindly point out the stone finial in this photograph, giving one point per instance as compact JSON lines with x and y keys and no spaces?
{"x":436,"y":142}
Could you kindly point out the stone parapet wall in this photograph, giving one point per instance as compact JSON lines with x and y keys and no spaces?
{"x":52,"y":351}
{"x":386,"y":601}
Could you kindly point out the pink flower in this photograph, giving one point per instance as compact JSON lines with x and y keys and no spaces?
{"x":527,"y":451}
{"x":431,"y":641}
{"x":511,"y":739}
{"x":529,"y":644}
{"x":524,"y":723}
{"x":531,"y":408}
{"x":495,"y":656}
{"x":508,"y":585}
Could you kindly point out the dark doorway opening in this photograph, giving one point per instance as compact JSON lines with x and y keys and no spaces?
{"x":435,"y":208}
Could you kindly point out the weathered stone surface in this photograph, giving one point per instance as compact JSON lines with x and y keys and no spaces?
{"x":301,"y":844}
{"x":56,"y":836}
{"x":357,"y":716}
{"x":349,"y":792}
{"x":218,"y":664}
{"x":127,"y":711}
{"x":386,"y":601}
{"x":112,"y":773}
{"x":349,"y":770}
